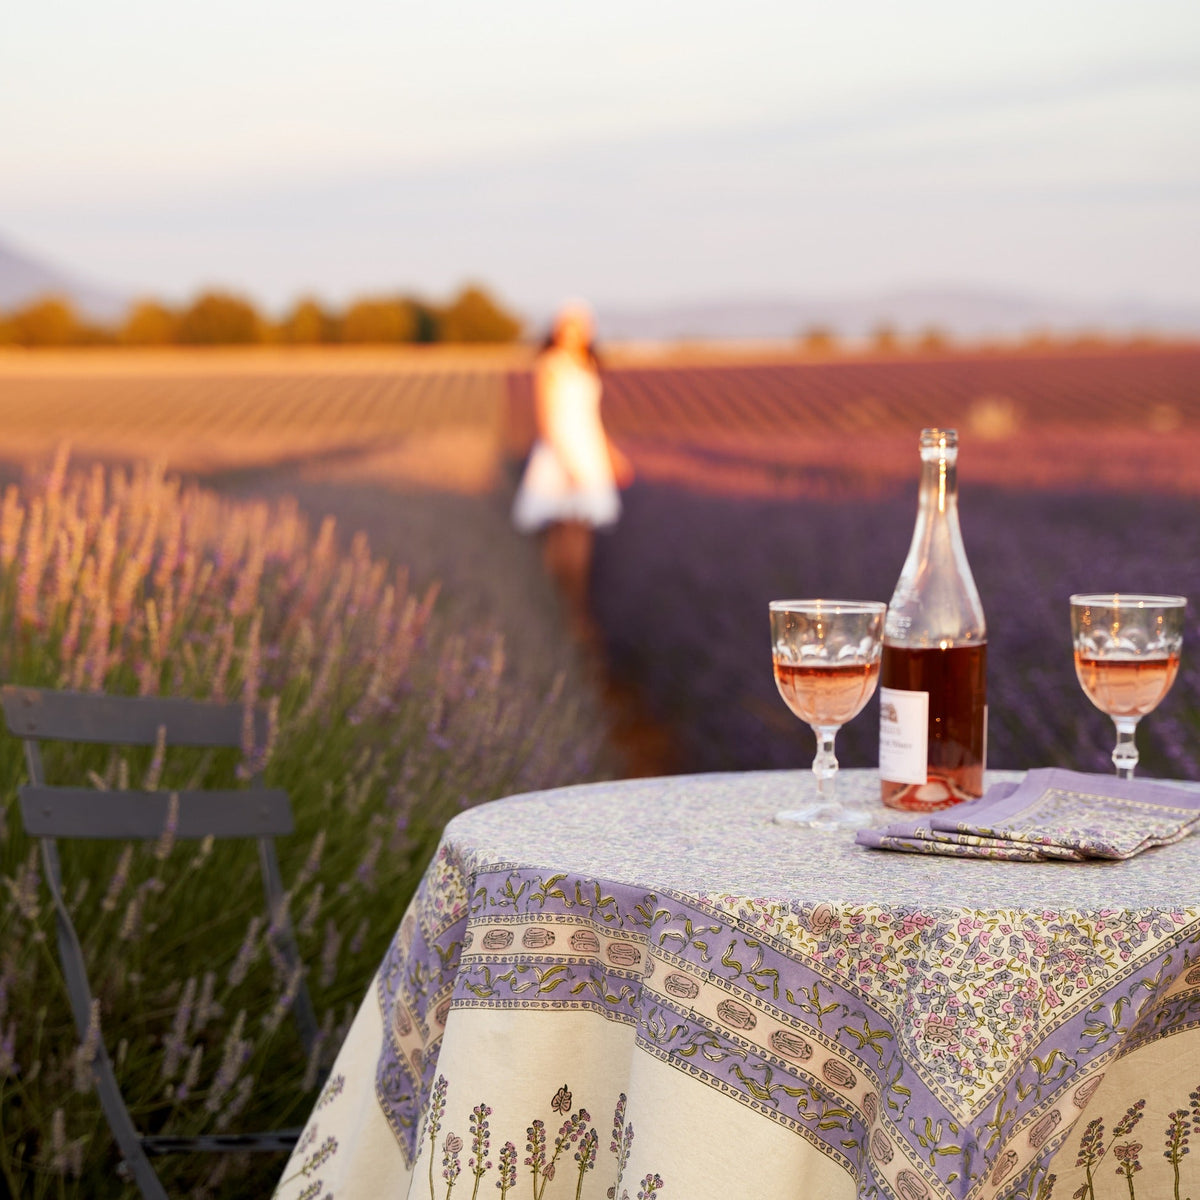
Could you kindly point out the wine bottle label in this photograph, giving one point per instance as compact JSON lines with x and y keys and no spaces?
{"x":903,"y":735}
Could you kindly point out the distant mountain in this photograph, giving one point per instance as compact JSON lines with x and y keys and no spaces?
{"x":959,"y":312}
{"x":23,"y":278}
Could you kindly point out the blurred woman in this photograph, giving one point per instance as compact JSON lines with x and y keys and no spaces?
{"x":570,"y":484}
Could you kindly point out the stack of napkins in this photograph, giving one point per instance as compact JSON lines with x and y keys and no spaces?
{"x":1051,"y":815}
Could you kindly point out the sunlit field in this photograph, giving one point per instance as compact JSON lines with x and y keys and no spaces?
{"x":432,"y":417}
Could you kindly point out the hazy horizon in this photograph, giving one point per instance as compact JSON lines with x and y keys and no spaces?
{"x":640,"y":157}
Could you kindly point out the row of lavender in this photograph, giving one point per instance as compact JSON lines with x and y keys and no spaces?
{"x":386,"y":722}
{"x":683,"y":583}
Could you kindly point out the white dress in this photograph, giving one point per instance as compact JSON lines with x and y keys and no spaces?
{"x":569,"y":476}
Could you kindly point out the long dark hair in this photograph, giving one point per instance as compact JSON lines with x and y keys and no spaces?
{"x":550,"y":342}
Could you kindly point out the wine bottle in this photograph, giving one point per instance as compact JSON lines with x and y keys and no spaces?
{"x":933,"y":678}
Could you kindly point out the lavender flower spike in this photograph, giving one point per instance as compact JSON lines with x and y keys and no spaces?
{"x":247,"y":954}
{"x":235,"y":1054}
{"x":175,"y":1043}
{"x":166,"y":840}
{"x":85,"y":1053}
{"x":119,"y":880}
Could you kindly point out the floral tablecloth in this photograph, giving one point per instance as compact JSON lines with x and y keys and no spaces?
{"x":649,"y":990}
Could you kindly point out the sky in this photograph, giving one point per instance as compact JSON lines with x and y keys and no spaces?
{"x":637,"y":153}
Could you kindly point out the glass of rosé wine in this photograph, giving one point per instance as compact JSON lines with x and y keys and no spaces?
{"x":826,"y":655}
{"x":1126,"y":657}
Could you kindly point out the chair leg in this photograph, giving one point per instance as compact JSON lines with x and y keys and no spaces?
{"x":303,"y":1012}
{"x":70,"y":954}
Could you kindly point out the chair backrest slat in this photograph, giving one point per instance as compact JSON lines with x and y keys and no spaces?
{"x":77,"y":812}
{"x":124,"y":720}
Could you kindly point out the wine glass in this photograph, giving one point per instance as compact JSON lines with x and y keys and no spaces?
{"x":826,"y":655}
{"x":1126,"y":657}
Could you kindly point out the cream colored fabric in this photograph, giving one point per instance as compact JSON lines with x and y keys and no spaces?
{"x":1166,"y":1075}
{"x":707,"y":1146}
{"x":700,"y":1143}
{"x":347,"y":1148}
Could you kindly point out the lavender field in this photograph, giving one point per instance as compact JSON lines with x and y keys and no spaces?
{"x":391,"y":708}
{"x":682,"y":586}
{"x":1078,"y":472}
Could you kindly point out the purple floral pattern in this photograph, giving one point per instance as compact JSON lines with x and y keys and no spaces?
{"x":1098,"y":816}
{"x":925,"y":1025}
{"x":999,"y":979}
{"x":414,"y":988}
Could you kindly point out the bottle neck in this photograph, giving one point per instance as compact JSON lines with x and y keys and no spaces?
{"x":935,"y":602}
{"x":939,"y":483}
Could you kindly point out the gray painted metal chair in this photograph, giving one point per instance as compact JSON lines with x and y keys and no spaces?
{"x":50,"y":812}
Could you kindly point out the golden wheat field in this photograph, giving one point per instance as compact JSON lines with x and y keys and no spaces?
{"x":420,"y":418}
{"x":733,"y":423}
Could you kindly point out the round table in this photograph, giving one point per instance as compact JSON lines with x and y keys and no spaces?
{"x":648,"y":989}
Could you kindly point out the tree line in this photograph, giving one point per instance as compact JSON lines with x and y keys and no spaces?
{"x":217,"y":318}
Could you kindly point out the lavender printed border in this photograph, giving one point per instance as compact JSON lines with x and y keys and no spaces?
{"x":915,"y":1138}
{"x":421,"y":965}
{"x":1100,"y":816}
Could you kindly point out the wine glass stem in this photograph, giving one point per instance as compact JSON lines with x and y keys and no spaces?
{"x":825,"y":765}
{"x":1125,"y":754}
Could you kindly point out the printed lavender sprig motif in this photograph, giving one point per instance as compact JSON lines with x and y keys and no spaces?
{"x":1126,"y":1153}
{"x":542,"y":1157}
{"x":650,"y":1186}
{"x":585,"y":1156}
{"x":1177,"y":1137}
{"x":479,"y":1164}
{"x":535,"y":1145}
{"x":622,"y":1138}
{"x":1091,"y":1151}
{"x":451,"y":1164}
{"x":320,"y":1156}
{"x":573,"y":1128}
{"x":621,"y":1145}
{"x":437,"y":1109}
{"x":507,"y":1166}
{"x":1128,"y":1162}
{"x":648,"y":1190}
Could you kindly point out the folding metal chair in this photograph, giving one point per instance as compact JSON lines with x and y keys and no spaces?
{"x":48,"y":812}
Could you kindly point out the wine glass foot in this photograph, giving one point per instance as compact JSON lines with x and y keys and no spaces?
{"x":822,"y":815}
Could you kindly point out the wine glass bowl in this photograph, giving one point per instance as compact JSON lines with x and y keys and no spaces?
{"x":1127,"y":648}
{"x":826,"y":656}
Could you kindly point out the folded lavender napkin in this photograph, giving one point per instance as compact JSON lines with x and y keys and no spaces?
{"x":1052,"y":814}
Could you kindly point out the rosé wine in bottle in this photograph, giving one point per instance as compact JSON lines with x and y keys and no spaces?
{"x":933,"y":681}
